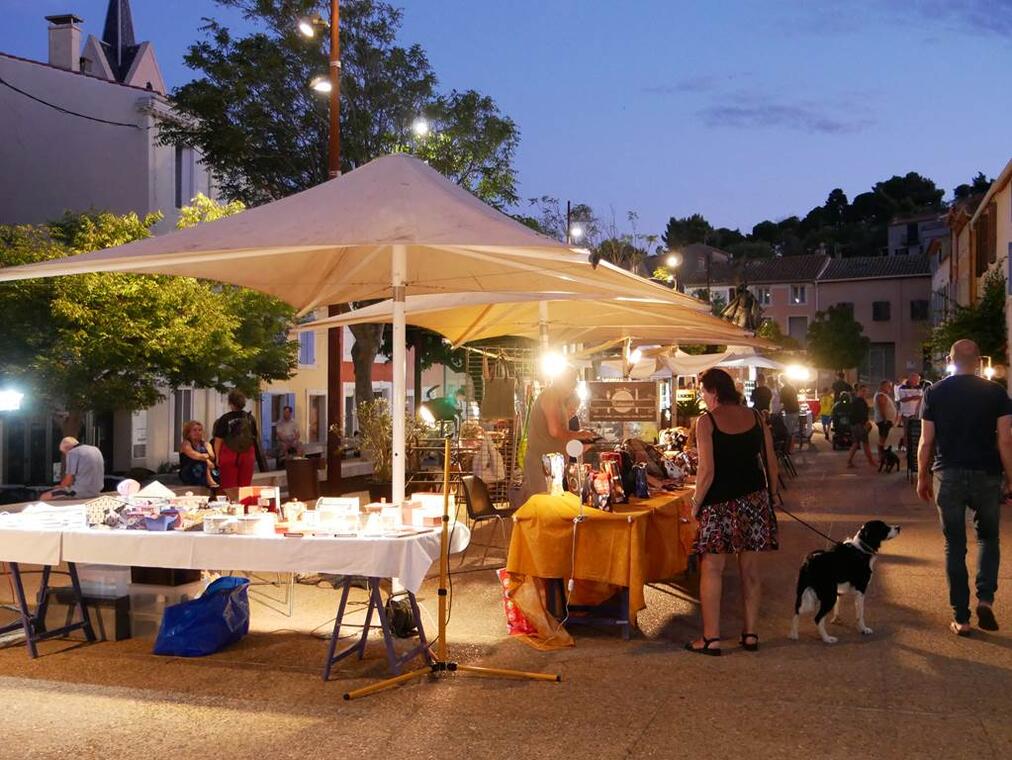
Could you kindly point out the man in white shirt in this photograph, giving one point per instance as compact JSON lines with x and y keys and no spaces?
{"x":910,"y":396}
{"x":286,"y":430}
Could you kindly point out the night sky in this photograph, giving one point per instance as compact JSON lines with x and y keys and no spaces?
{"x":742,"y":111}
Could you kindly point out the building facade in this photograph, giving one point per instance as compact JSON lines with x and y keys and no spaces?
{"x":889,"y":296}
{"x":80,"y":130}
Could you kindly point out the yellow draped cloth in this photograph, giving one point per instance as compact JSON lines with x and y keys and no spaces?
{"x":645,"y":540}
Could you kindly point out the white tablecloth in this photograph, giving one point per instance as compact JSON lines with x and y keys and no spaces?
{"x":35,"y":547}
{"x":408,"y":558}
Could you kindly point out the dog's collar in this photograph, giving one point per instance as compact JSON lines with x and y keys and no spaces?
{"x":861,"y":546}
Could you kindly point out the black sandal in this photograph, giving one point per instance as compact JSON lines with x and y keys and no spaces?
{"x":705,"y":649}
{"x":753,"y":647}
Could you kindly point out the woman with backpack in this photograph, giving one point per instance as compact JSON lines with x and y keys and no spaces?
{"x":237,"y":443}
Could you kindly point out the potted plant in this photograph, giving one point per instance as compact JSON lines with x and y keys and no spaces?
{"x":687,"y":410}
{"x":376,"y":431}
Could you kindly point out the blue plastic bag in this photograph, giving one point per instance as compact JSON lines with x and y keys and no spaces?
{"x":212,"y":621}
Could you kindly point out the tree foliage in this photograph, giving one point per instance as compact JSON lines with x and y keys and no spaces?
{"x":264,"y":133}
{"x":983,"y":322}
{"x":838,"y":226}
{"x":109,"y":341}
{"x":836,"y":340}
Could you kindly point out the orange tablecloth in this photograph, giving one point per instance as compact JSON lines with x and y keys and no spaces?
{"x":646,"y":540}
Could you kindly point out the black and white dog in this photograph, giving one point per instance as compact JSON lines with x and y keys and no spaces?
{"x":846,"y":567}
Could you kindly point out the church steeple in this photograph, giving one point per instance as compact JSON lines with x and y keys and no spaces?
{"x":118,"y":37}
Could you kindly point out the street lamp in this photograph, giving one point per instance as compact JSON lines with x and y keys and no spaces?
{"x":420,"y":127}
{"x":321,"y":84}
{"x":330,"y":85}
{"x":575,"y":233}
{"x":309,"y":25}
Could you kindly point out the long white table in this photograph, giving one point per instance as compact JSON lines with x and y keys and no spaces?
{"x":407,"y":558}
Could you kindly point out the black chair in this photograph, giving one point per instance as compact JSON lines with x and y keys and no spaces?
{"x":481,"y":509}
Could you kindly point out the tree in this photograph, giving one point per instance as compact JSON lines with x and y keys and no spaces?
{"x":770,"y":330}
{"x":113,"y":341}
{"x":979,"y":185}
{"x":836,"y":340}
{"x":686,"y":231}
{"x":984,"y":322}
{"x":620,"y":251}
{"x":263,"y":132}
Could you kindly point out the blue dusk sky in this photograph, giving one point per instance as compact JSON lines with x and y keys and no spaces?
{"x":742,"y":111}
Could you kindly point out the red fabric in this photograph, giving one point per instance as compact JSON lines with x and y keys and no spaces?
{"x":236,"y":469}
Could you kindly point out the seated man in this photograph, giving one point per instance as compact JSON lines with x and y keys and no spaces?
{"x":286,"y":430}
{"x":85,"y":472}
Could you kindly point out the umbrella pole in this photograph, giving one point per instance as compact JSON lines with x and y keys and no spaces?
{"x":441,"y":665}
{"x":398,"y":271}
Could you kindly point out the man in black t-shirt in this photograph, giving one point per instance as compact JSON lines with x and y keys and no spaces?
{"x":859,"y":425}
{"x":967,"y":425}
{"x":762,"y":396}
{"x":840,"y":386}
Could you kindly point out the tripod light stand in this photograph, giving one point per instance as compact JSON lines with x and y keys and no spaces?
{"x":442,"y":665}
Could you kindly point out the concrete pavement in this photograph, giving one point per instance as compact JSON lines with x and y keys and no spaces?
{"x":909,"y":690}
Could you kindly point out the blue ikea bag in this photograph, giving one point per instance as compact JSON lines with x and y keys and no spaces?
{"x":212,"y":621}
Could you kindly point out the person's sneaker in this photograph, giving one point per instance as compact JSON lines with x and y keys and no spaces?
{"x":985,"y":618}
{"x":960,"y":629}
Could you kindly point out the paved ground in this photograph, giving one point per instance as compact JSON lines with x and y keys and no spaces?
{"x":910,"y":690}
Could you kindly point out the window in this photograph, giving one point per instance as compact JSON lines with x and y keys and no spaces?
{"x":797,"y":328}
{"x":880,"y":311}
{"x":182,"y":413}
{"x":307,"y":349}
{"x":179,"y":176}
{"x":731,"y":293}
{"x":798,"y":294}
{"x":919,"y":309}
{"x":763,"y":296}
{"x":847,"y":306}
{"x":913,"y":234}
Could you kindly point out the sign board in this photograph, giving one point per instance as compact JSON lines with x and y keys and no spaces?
{"x":623,"y":401}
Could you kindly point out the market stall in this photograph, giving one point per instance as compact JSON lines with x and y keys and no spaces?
{"x":607,"y":553}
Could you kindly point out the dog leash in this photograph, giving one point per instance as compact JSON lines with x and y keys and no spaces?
{"x":807,"y":525}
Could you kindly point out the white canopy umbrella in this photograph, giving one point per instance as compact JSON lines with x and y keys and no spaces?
{"x":467,"y":317}
{"x":391,"y":225}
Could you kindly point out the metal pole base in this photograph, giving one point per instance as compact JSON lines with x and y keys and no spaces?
{"x":438,"y":668}
{"x":441,"y":665}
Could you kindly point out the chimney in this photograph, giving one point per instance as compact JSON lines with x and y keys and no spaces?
{"x":65,"y":41}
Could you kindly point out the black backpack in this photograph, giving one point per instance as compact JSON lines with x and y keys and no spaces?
{"x":239,"y":433}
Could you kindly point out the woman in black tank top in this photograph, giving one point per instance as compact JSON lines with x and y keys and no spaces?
{"x":736,"y":479}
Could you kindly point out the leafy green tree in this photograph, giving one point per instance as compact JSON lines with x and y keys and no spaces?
{"x":263,"y":131}
{"x":686,"y":230}
{"x":836,"y":340}
{"x":113,"y":341}
{"x":983,"y":322}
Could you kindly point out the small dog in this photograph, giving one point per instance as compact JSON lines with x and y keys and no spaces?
{"x":846,"y":567}
{"x":889,"y":460}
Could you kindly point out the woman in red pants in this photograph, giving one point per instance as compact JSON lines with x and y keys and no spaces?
{"x":236,"y":443}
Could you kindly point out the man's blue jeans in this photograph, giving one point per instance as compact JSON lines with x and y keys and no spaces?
{"x":956,"y":491}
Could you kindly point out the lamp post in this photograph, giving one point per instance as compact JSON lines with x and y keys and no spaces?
{"x":574,"y":232}
{"x":672,"y":261}
{"x":331,"y":85}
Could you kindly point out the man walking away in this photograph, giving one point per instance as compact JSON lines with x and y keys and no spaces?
{"x":967,"y":425}
{"x":860,"y":426}
{"x":762,"y":396}
{"x":84,"y":476}
{"x":885,"y":414}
